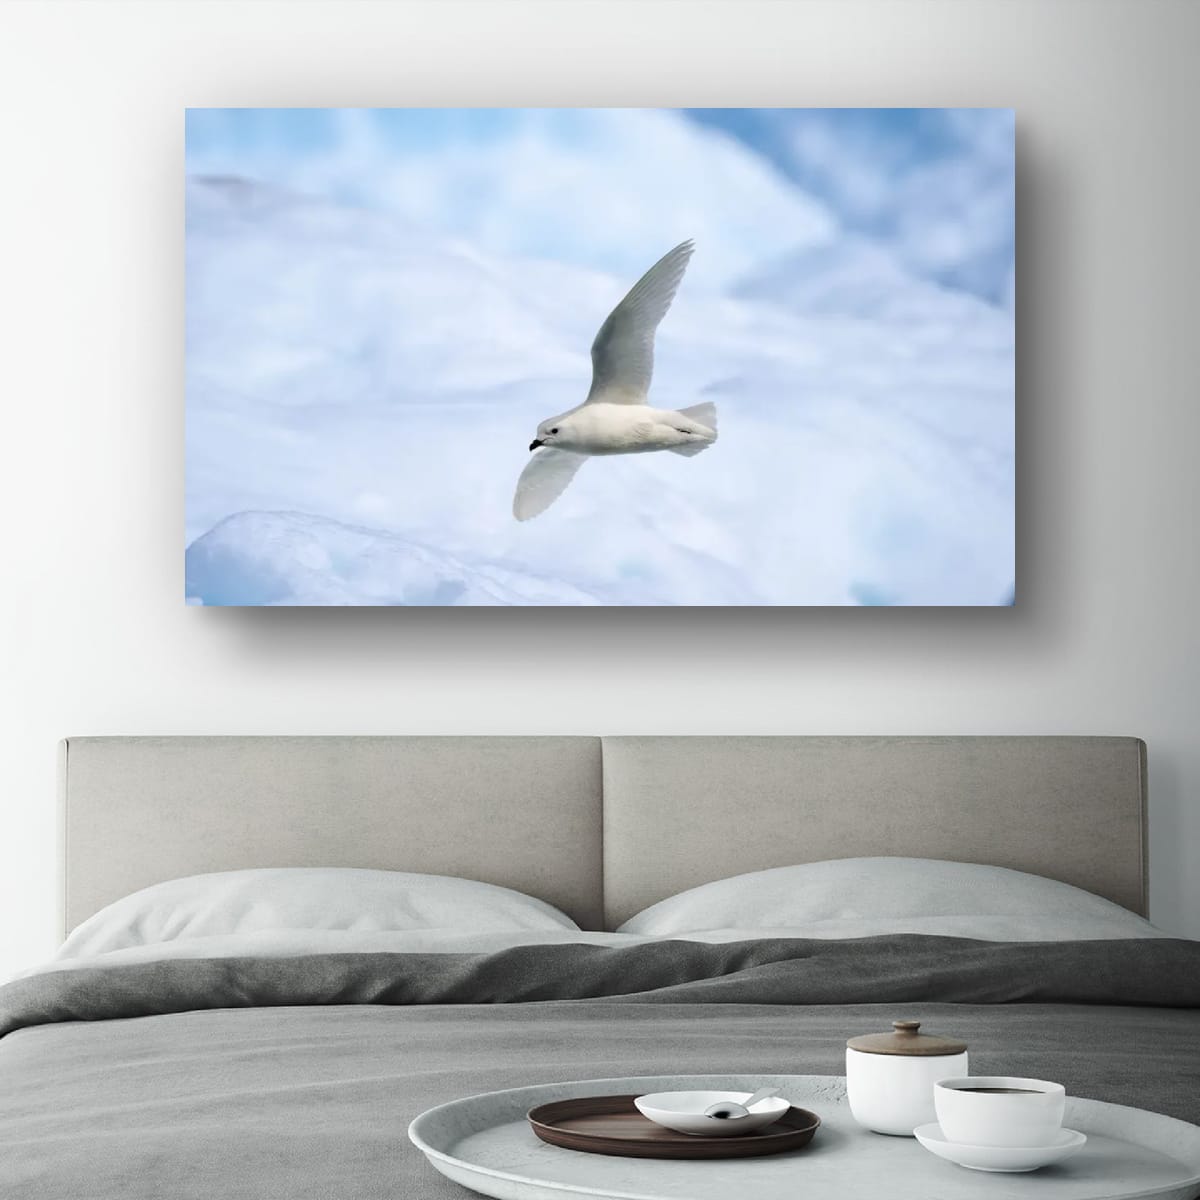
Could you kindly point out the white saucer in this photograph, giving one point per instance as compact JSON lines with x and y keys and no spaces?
{"x":999,"y":1158}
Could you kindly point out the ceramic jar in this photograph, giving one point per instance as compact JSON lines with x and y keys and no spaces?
{"x":890,"y":1076}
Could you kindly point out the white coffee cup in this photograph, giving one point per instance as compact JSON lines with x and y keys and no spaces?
{"x":999,"y":1110}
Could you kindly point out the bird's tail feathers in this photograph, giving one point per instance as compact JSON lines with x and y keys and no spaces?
{"x":705,"y":413}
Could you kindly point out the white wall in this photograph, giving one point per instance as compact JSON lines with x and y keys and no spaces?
{"x":96,"y":639}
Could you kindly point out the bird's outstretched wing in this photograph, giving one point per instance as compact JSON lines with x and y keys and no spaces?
{"x":623,"y":352}
{"x":544,"y":479}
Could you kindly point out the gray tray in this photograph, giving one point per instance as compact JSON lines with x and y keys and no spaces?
{"x":485,"y":1144}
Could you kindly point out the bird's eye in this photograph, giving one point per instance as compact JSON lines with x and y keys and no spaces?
{"x":554,"y":431}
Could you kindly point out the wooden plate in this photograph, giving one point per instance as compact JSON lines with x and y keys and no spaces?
{"x":612,"y":1125}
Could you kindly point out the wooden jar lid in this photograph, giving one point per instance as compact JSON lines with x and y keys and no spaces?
{"x":906,"y":1040}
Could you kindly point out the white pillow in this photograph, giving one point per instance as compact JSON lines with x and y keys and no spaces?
{"x":290,"y":898}
{"x":859,"y":897}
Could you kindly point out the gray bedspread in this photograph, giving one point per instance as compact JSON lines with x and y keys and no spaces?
{"x":296,"y":1078}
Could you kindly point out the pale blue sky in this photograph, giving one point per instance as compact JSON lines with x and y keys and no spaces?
{"x":934,"y":186}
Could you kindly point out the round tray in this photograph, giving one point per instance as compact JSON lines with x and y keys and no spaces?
{"x":485,"y":1143}
{"x":612,"y":1125}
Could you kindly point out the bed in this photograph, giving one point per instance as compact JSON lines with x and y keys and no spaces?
{"x":201,"y":1060}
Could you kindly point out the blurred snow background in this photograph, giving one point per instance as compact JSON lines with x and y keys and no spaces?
{"x":382,"y":304}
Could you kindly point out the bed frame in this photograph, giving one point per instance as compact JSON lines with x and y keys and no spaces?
{"x":600,"y":827}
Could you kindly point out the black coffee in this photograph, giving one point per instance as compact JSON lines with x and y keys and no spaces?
{"x":1003,"y":1091}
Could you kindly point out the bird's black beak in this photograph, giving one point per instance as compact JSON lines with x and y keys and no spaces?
{"x":534,"y":444}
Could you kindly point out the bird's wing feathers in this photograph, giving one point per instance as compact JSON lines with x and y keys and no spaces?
{"x":623,"y":352}
{"x":544,"y":479}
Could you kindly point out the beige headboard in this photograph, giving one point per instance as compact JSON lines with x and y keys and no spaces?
{"x":600,"y":827}
{"x":523,"y":812}
{"x":683,"y":811}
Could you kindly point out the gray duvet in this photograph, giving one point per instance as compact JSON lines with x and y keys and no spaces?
{"x":296,"y":1078}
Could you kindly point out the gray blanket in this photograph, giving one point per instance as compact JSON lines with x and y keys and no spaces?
{"x":902,"y":967}
{"x":296,"y":1078}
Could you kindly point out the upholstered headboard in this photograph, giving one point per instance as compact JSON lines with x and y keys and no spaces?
{"x":600,"y":827}
{"x":523,"y":812}
{"x":682,"y":811}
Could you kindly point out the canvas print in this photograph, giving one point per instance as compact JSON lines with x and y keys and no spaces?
{"x":634,"y":357}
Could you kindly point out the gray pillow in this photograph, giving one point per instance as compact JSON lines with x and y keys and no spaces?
{"x":308,"y":898}
{"x":858,"y":897}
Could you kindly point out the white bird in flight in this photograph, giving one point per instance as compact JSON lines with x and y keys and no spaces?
{"x":615,"y":418}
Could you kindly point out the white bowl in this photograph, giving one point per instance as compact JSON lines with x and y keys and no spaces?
{"x":684,"y":1112}
{"x":1020,"y":1112}
{"x":999,"y":1158}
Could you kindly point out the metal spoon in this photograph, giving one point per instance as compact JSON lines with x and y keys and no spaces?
{"x":731,"y":1110}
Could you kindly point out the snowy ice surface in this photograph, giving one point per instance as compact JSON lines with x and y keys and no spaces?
{"x":361,"y":393}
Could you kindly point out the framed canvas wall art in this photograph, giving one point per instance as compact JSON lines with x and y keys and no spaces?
{"x":600,"y":357}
